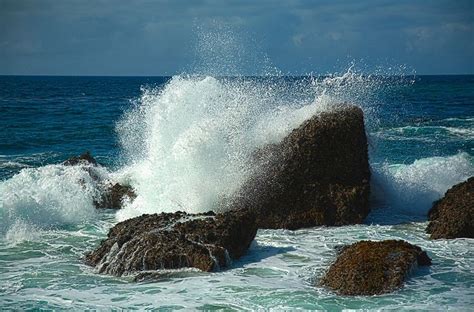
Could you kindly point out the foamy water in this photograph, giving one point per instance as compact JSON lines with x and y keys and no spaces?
{"x":412,"y":188}
{"x":279,"y":272}
{"x":45,"y":198}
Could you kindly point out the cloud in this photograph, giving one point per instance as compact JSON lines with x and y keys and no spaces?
{"x":163,"y":37}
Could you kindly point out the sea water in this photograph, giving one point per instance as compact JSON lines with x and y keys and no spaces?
{"x":183,"y":142}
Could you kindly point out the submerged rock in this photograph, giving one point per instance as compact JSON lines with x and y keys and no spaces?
{"x":114,"y":196}
{"x":84,"y":159}
{"x":174,"y":240}
{"x":453,"y":215}
{"x":372,"y":268}
{"x":318,"y":175}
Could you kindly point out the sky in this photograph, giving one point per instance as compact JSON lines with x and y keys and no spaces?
{"x":161,"y":37}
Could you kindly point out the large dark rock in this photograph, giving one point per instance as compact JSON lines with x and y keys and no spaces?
{"x":114,"y":195}
{"x":372,"y":268}
{"x":174,"y":240}
{"x":318,"y":175}
{"x":453,"y":215}
{"x":84,"y":159}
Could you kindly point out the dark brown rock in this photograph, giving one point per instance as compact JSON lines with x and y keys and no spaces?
{"x":114,"y":196}
{"x":84,"y":159}
{"x":318,"y":175}
{"x":453,"y":215}
{"x":372,"y":268}
{"x":174,"y":240}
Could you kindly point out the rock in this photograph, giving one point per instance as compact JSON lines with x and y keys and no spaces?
{"x":164,"y":275}
{"x":372,"y":268}
{"x":453,"y":215}
{"x":114,"y":196}
{"x":84,"y":159}
{"x":318,"y":175}
{"x":174,"y":240}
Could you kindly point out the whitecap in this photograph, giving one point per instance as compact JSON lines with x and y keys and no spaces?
{"x":412,"y":188}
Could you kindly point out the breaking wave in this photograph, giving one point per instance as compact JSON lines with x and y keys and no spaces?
{"x":412,"y":189}
{"x":189,"y":143}
{"x":46,"y":197}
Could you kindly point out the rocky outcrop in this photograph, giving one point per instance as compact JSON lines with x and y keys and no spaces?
{"x":453,"y":215}
{"x":114,"y":195}
{"x":174,"y":240}
{"x":84,"y":159}
{"x":318,"y":175}
{"x":372,"y":268}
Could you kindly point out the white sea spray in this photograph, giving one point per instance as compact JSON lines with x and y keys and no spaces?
{"x":46,"y":197}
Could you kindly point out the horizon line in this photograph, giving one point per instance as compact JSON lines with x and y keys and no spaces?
{"x":231,"y":76}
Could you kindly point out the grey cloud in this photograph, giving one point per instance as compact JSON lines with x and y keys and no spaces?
{"x":142,"y":37}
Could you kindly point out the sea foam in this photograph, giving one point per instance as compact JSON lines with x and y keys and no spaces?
{"x":46,"y":197}
{"x":412,"y":188}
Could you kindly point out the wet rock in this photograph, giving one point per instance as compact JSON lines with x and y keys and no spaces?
{"x":114,"y":196}
{"x":166,"y":275}
{"x":174,"y":240}
{"x":84,"y":159}
{"x":372,"y":268}
{"x":453,"y":215}
{"x":318,"y":175}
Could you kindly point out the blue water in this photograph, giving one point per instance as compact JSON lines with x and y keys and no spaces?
{"x":47,"y":119}
{"x":55,"y":117}
{"x":421,"y":134}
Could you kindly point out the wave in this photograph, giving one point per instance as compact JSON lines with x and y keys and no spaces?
{"x":411,"y":189}
{"x":427,"y":133}
{"x":12,"y":165}
{"x":189,"y":143}
{"x":46,"y":197}
{"x":467,"y":134}
{"x":464,"y":119}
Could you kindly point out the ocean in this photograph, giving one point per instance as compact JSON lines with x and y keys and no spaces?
{"x":182,"y":142}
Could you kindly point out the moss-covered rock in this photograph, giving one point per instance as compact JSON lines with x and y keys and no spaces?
{"x":453,"y":215}
{"x":372,"y":268}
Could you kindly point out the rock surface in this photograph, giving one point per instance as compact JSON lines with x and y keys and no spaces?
{"x":318,"y":175}
{"x":372,"y":268}
{"x":84,"y":159}
{"x":114,"y":196}
{"x":453,"y":215}
{"x":174,"y":240}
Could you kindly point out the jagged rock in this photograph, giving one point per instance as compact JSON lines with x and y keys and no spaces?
{"x":453,"y":215}
{"x":114,"y":195}
{"x":318,"y":175}
{"x":174,"y":240}
{"x":372,"y":268}
{"x":84,"y":159}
